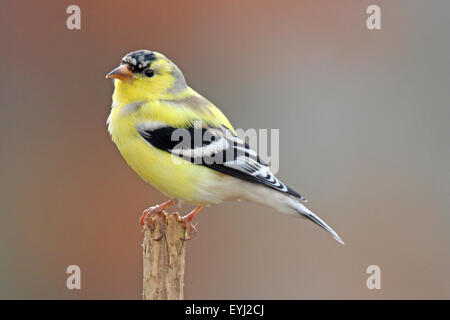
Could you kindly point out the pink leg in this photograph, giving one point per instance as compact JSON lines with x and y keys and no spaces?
{"x":187,"y":220}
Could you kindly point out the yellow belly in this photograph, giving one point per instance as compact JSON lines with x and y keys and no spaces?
{"x":173,"y":177}
{"x":170,"y":174}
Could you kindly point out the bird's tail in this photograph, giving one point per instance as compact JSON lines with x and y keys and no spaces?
{"x":304,"y":211}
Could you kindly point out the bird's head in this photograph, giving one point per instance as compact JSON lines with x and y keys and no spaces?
{"x":144,"y":74}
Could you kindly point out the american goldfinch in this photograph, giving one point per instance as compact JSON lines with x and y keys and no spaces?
{"x":152,"y":106}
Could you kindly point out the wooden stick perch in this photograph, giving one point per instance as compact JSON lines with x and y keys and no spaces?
{"x":164,"y":260}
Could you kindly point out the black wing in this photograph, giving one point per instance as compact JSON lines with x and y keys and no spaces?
{"x":215,"y":147}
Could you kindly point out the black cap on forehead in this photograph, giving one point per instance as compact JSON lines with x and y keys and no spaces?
{"x":141,"y":59}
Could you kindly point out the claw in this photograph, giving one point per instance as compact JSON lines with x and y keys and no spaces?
{"x":157,"y":212}
{"x":162,"y":228}
{"x":190,"y":230}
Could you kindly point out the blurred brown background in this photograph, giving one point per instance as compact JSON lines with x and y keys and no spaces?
{"x":364,"y":127}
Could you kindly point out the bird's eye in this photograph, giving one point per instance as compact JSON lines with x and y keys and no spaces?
{"x":149,"y":73}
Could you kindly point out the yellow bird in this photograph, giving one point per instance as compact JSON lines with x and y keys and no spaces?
{"x":155,"y":121}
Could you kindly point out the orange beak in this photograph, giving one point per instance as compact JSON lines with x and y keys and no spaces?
{"x":122,"y":73}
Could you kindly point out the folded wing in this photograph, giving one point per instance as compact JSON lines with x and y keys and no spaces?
{"x":217,"y":148}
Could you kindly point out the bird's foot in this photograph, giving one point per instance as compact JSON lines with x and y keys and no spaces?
{"x":190,"y":230}
{"x":156,"y":212}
